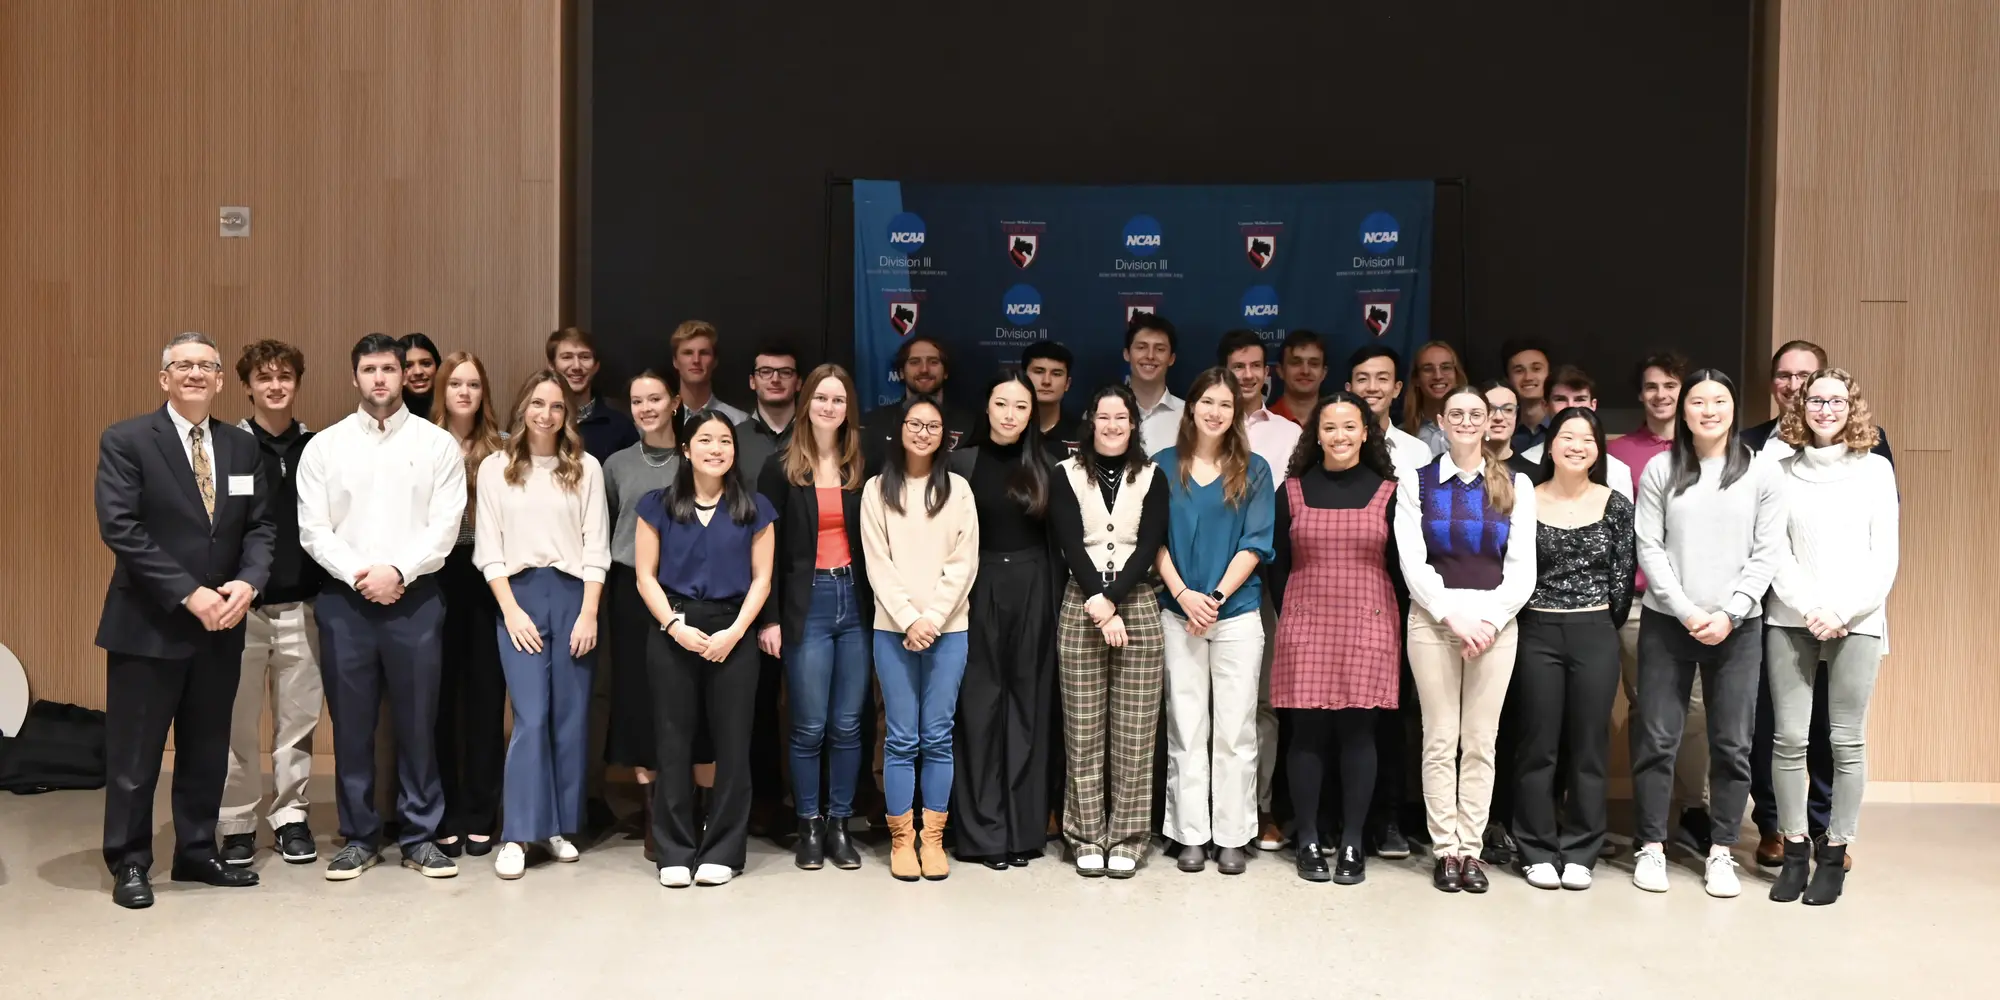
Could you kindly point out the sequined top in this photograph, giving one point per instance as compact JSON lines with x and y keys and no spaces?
{"x":1588,"y":566}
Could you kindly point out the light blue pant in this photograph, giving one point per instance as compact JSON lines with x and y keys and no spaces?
{"x":826,"y":684}
{"x":919,"y":702}
{"x":550,"y":691}
{"x":1791,"y":657}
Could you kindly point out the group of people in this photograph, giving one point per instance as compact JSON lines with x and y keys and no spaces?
{"x":1037,"y":603}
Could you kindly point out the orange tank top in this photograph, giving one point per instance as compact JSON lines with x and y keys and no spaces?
{"x":833,"y":552}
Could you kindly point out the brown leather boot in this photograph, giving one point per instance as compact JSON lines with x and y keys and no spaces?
{"x":936,"y":863}
{"x":903,"y":848}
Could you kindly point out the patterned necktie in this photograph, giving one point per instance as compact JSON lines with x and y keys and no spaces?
{"x":204,"y":477}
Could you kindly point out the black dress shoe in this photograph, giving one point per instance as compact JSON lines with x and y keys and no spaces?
{"x":1446,"y":874}
{"x":130,"y":889}
{"x":1472,"y":875}
{"x":1020,"y":859}
{"x":1498,"y":849}
{"x":839,"y":849}
{"x":239,"y":849}
{"x":1192,"y":858}
{"x":1312,"y":862}
{"x":810,"y":852}
{"x":996,"y":862}
{"x":1231,"y":860}
{"x":480,"y":848}
{"x":1350,"y":868}
{"x":211,"y":871}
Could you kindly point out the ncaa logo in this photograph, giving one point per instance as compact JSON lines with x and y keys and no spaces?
{"x":1142,"y":236}
{"x":1380,"y":232}
{"x":906,"y":232}
{"x":1260,"y":306}
{"x":1021,"y":306}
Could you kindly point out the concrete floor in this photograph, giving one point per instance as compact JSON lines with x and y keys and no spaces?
{"x":1919,"y":912}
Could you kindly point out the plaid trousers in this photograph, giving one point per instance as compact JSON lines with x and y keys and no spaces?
{"x":1111,"y":711}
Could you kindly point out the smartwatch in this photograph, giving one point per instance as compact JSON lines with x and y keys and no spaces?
{"x":1216,"y":595}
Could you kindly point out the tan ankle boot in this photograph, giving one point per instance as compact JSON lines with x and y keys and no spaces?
{"x":936,"y":863}
{"x":903,"y":848}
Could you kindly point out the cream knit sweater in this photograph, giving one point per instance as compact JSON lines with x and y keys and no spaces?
{"x":1841,"y":525}
{"x":918,"y":564}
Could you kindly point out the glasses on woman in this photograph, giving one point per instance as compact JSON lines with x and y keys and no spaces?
{"x":1831,"y":404}
{"x":923,"y":426}
{"x":1465,"y":417}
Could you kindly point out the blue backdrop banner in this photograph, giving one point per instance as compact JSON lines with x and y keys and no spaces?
{"x":989,"y":269}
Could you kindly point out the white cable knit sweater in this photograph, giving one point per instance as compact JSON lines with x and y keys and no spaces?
{"x":1842,"y":515}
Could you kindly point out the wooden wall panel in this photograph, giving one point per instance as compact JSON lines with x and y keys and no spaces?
{"x":1887,"y":252}
{"x":402,"y":162}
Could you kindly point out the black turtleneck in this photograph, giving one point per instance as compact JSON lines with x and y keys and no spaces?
{"x":419,"y":403}
{"x":1066,"y":519}
{"x":1347,"y":489}
{"x":1003,"y":525}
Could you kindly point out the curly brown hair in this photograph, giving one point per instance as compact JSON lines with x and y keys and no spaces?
{"x":1861,"y":434}
{"x":270,"y":353}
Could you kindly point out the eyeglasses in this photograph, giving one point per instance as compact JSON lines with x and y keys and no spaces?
{"x":767,"y":371}
{"x":1502,"y":411}
{"x":1792,"y":378}
{"x":1465,"y":416}
{"x":922,"y":426}
{"x":1819,"y":403}
{"x":189,"y":367}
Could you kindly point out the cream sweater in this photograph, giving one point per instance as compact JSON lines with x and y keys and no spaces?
{"x":1842,"y":517}
{"x":920,"y":565}
{"x":540,"y":524}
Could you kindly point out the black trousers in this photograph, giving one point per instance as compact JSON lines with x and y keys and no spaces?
{"x":1001,"y":748}
{"x":1317,"y":737}
{"x":770,"y":733}
{"x":369,"y":653}
{"x":143,"y":696}
{"x":472,"y":701}
{"x":689,"y":691}
{"x":1669,"y":660}
{"x":1565,"y":680}
{"x":1396,"y":749}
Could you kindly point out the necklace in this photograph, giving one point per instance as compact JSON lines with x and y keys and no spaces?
{"x":698,"y":505}
{"x":646,"y":455}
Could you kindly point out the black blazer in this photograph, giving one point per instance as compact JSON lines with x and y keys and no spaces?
{"x":798,"y":551}
{"x":150,"y":517}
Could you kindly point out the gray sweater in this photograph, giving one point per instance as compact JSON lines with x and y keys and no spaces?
{"x":628,"y":475}
{"x":1710,"y":549}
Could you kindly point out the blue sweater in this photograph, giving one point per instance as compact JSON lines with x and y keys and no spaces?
{"x":1204,"y":532}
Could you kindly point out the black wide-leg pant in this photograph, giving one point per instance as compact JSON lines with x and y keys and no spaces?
{"x":1005,"y":723}
{"x":1565,"y":679}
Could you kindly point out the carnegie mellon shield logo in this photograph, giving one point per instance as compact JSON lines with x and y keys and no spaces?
{"x":1377,"y":316}
{"x":903,"y":317}
{"x":1022,"y":247}
{"x":1260,"y":250}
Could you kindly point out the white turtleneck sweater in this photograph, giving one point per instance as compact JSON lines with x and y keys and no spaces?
{"x":1841,"y":525}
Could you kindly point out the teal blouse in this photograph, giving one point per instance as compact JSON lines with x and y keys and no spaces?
{"x":1204,"y":532}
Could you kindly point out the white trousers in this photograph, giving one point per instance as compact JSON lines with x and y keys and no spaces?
{"x":281,"y":658}
{"x":1212,"y":683}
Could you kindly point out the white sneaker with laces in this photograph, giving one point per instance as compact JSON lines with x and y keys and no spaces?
{"x":676,"y":877}
{"x":1650,"y":870}
{"x":1543,"y":876}
{"x":511,"y":861}
{"x":1575,"y":877}
{"x":1720,"y":880}
{"x":562,"y":848}
{"x":713,"y":875}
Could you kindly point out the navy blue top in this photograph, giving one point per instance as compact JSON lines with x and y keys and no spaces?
{"x":1204,"y":532}
{"x":708,"y":562}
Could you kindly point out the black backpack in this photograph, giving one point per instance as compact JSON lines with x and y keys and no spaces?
{"x":59,"y":746}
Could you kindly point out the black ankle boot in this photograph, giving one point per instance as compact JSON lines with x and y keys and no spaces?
{"x":811,"y":850}
{"x":839,"y":849}
{"x":1829,"y":873}
{"x":1792,"y":877}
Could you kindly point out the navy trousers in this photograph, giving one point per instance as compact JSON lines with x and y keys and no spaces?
{"x":551,"y":694}
{"x":370,"y":653}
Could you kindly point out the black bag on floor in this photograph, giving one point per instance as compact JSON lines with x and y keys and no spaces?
{"x":60,"y":746}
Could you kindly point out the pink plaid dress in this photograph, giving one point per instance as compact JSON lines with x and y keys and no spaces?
{"x":1339,"y":637}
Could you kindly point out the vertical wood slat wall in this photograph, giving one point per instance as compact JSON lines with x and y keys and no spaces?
{"x":1886,"y":251}
{"x":401,"y":159}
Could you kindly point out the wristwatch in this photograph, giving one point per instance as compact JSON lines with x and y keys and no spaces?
{"x":1216,"y":595}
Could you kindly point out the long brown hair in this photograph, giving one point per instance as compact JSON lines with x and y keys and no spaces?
{"x":1418,"y":409}
{"x":485,"y":438}
{"x":1499,"y":478}
{"x":1861,"y":433}
{"x":802,"y":454}
{"x":569,"y":444}
{"x":1234,"y":456}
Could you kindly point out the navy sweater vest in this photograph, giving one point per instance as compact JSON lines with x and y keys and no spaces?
{"x":1465,"y":539}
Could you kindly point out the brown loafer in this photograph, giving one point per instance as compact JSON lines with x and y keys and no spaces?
{"x":1770,"y":851}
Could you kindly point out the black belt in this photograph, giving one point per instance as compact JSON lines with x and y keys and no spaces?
{"x":838,"y":572}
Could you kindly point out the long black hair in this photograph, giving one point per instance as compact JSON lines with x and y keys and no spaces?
{"x":1028,"y":484}
{"x":1686,"y":465}
{"x":895,"y":464}
{"x":1135,"y":458}
{"x":1565,"y":415}
{"x":736,"y":495}
{"x":1308,"y":454}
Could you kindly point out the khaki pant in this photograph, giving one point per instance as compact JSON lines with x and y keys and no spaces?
{"x":281,"y":657}
{"x":1691,"y":763}
{"x":1461,"y":700}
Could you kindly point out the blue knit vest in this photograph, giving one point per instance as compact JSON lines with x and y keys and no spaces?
{"x":1465,"y":539}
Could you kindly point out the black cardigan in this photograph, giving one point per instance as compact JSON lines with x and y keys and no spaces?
{"x":798,"y":551}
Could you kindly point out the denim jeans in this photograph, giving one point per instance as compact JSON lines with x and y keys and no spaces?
{"x":826,"y":680}
{"x":919,"y":702}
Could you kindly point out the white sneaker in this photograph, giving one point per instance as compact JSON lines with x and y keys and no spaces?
{"x":1650,"y":871}
{"x":1120,"y":865}
{"x":562,"y":848}
{"x":713,"y":875}
{"x":1543,"y":876}
{"x":676,"y":877}
{"x":1575,"y":877}
{"x":1721,"y":881}
{"x":511,"y":861}
{"x":1090,"y":864}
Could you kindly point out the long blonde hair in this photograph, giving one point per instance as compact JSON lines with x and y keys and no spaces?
{"x":1233,"y":457}
{"x":802,"y":454}
{"x":485,"y":437}
{"x":1861,"y":433}
{"x":569,"y":444}
{"x":1418,"y":408}
{"x":1499,"y":478}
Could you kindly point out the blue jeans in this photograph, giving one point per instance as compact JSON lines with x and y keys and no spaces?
{"x":826,"y":681}
{"x":919,"y":701}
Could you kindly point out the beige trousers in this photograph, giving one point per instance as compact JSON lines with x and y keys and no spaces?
{"x":281,"y":659}
{"x":1461,"y":700}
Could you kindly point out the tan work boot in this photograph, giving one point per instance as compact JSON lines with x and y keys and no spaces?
{"x":903,"y":848}
{"x":936,"y":863}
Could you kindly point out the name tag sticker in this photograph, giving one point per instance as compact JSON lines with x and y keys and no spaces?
{"x":241,"y":486}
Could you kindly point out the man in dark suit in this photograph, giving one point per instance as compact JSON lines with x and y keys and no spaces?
{"x":181,"y":503}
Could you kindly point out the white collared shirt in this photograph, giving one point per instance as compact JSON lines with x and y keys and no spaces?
{"x":182,"y":426}
{"x":374,"y":494}
{"x":1617,"y":474}
{"x":1496,"y":607}
{"x":1161,"y":425}
{"x":1406,"y":450}
{"x":1272,"y":438}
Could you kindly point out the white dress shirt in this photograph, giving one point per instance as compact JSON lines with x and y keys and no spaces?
{"x":182,"y":426}
{"x":1617,"y":474}
{"x":381,"y":494}
{"x":1272,"y":438}
{"x":1406,"y":450}
{"x":1495,"y":607}
{"x":1159,"y":426}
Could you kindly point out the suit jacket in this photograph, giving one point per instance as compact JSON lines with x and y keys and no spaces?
{"x":150,"y":516}
{"x":798,"y":551}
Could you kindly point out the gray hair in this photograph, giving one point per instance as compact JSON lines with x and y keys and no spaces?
{"x":190,"y":337}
